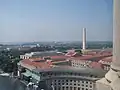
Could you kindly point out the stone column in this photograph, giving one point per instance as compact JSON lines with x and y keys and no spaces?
{"x":112,"y":78}
{"x":115,"y":67}
{"x":116,"y":35}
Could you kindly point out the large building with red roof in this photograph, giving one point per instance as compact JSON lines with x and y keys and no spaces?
{"x":71,"y":71}
{"x":86,"y":60}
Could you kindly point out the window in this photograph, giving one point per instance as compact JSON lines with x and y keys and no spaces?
{"x":74,"y":88}
{"x":90,"y":86}
{"x":82,"y":84}
{"x":90,"y":82}
{"x":59,"y":88}
{"x":91,"y":75}
{"x":66,"y":88}
{"x":63,"y":88}
{"x":78,"y":88}
{"x":82,"y":88}
{"x":55,"y":88}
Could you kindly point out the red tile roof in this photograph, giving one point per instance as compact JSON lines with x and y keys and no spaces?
{"x":95,"y":65}
{"x":86,"y":57}
{"x":47,"y":64}
{"x":41,"y":63}
{"x":35,"y":59}
{"x":59,"y":57}
{"x":107,"y":59}
{"x":101,"y":52}
{"x":36,"y":64}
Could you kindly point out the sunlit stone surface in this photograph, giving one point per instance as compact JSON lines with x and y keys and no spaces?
{"x":112,"y":78}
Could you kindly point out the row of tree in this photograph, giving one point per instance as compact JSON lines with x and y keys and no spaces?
{"x":9,"y":60}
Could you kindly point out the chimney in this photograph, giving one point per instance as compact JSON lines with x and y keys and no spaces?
{"x":84,"y":39}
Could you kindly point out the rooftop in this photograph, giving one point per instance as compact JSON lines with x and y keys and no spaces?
{"x":43,"y":62}
{"x":91,"y":57}
{"x":95,"y":65}
{"x":31,"y":65}
{"x":107,"y":59}
{"x":47,"y":62}
{"x":46,"y":53}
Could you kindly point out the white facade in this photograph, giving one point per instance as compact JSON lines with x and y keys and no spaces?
{"x":25,"y":57}
{"x":106,"y":65}
{"x":80,"y":63}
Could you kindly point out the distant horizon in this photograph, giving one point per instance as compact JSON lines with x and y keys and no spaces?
{"x":47,"y":42}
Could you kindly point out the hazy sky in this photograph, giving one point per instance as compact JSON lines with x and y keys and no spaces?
{"x":55,"y":20}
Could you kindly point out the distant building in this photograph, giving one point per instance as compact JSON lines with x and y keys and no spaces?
{"x":39,"y":54}
{"x":24,"y":48}
{"x":86,"y":60}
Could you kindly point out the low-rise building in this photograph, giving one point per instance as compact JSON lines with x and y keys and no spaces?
{"x":86,"y":60}
{"x":40,"y":54}
{"x":62,"y":78}
{"x":106,"y":62}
